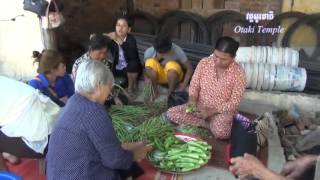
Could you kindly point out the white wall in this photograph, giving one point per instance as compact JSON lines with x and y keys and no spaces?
{"x":17,"y":40}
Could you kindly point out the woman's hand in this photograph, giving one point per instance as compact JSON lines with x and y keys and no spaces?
{"x":132,"y":146}
{"x":205,"y":112}
{"x":115,"y":37}
{"x":191,"y":102}
{"x":295,"y":169}
{"x":245,"y":166}
{"x":141,"y":151}
{"x":250,"y":166}
{"x":64,"y":99}
{"x":181,"y":87}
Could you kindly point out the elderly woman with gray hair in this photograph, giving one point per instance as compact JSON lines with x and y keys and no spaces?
{"x":83,"y":144}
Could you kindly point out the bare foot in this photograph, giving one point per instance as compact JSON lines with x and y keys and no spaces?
{"x":11,"y":158}
{"x":131,"y":95}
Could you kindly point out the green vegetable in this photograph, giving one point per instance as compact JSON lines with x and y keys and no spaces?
{"x":190,"y":155}
{"x":176,"y":151}
{"x":185,"y":165}
{"x":122,"y":129}
{"x":148,"y":93}
{"x":187,"y":129}
{"x":196,"y":145}
{"x":187,"y":169}
{"x":196,"y":149}
{"x":153,"y":129}
{"x":190,"y":108}
{"x":173,"y":157}
{"x":190,"y":160}
{"x":178,"y":156}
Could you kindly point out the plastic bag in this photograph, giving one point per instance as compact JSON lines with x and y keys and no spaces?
{"x":177,"y":98}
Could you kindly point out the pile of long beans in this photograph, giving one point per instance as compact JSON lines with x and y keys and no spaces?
{"x":152,"y":130}
{"x":133,"y":124}
{"x":122,"y":128}
{"x":129,"y":113}
{"x":156,"y":108}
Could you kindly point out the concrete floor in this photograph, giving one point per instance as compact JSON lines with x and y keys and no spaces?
{"x":270,"y":100}
{"x":210,"y":173}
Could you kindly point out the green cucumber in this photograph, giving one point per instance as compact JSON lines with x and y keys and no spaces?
{"x":196,"y":150}
{"x":185,"y":165}
{"x":189,"y":155}
{"x":192,"y":143}
{"x":189,"y":160}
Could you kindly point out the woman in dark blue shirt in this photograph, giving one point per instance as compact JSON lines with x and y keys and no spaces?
{"x":83,"y":144}
{"x":52,"y":79}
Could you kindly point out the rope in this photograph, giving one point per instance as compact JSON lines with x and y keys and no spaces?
{"x":12,"y":19}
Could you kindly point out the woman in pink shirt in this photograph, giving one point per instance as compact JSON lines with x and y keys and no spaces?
{"x":215,"y":90}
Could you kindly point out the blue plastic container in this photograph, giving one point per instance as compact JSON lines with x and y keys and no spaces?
{"x":9,"y":176}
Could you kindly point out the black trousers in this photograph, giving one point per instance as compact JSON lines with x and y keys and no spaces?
{"x":132,"y":67}
{"x":17,"y":147}
{"x":134,"y":171}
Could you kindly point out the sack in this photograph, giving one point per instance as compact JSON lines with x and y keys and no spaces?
{"x":177,"y":98}
{"x":36,"y":6}
{"x":54,"y":19}
{"x":243,"y":139}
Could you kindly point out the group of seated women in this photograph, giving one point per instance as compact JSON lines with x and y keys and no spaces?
{"x":83,"y":143}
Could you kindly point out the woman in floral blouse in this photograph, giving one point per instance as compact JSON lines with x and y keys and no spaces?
{"x":215,"y":90}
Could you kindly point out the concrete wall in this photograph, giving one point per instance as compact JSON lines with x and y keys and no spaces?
{"x":280,"y":100}
{"x":17,"y":40}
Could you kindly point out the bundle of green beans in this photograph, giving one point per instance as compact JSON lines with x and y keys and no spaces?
{"x":123,"y":129}
{"x":157,"y":107}
{"x":130,"y":113}
{"x":151,"y":130}
{"x":188,"y":129}
{"x":177,"y":156}
{"x":148,"y":93}
{"x":136,"y":117}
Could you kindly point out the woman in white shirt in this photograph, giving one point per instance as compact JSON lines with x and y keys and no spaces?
{"x":27,"y":118}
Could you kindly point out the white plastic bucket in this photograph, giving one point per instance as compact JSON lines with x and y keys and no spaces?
{"x":248,"y":70}
{"x":282,"y":79}
{"x":272,"y":76}
{"x":290,"y":78}
{"x":298,"y":79}
{"x":260,"y":76}
{"x":269,"y":55}
{"x":255,"y":72}
{"x":266,"y":78}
